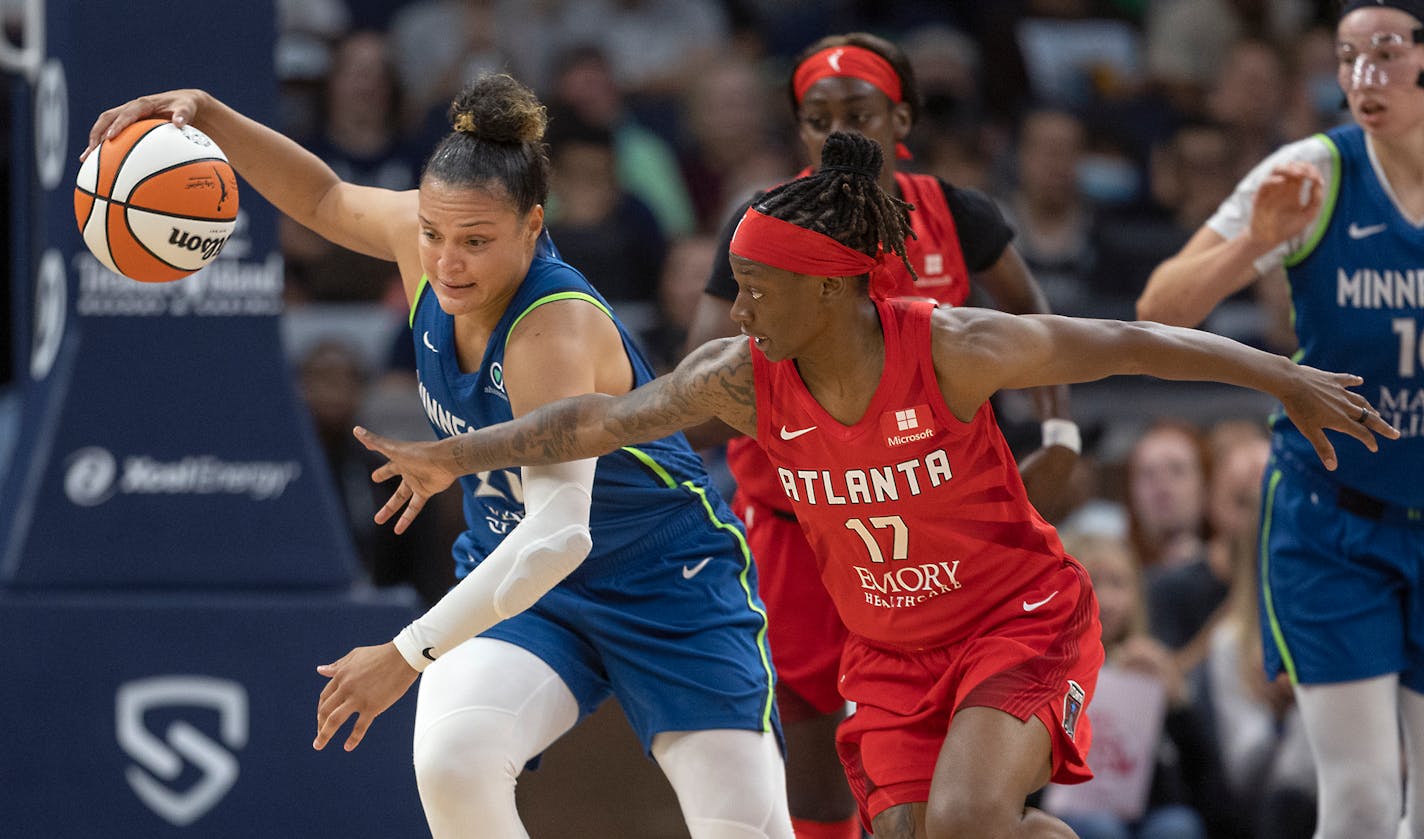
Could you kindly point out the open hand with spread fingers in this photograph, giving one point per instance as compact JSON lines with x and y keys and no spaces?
{"x":1317,"y":400}
{"x":422,"y":471}
{"x":364,"y":683}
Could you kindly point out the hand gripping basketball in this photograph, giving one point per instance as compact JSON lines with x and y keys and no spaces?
{"x":155,"y":201}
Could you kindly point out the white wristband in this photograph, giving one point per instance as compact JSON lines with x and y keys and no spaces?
{"x":1062,"y":432}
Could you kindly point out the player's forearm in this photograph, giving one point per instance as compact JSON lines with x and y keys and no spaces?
{"x":545,"y":547}
{"x":293,"y":179}
{"x":1178,"y":353}
{"x":1184,"y":289}
{"x":570,"y":429}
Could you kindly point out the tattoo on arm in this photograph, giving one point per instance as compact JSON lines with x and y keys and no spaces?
{"x":715,"y":381}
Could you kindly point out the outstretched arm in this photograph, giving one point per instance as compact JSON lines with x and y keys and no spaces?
{"x":714,"y":381}
{"x":978,"y":351}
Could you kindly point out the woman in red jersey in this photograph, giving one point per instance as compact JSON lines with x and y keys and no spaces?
{"x":859,"y":82}
{"x":974,"y":640}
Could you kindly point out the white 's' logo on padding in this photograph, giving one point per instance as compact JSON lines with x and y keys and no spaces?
{"x":182,"y":743}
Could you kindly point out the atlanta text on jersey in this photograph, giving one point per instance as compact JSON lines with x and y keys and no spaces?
{"x":876,"y":484}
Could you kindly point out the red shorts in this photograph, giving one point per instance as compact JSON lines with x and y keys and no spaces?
{"x":803,"y":628}
{"x":1044,"y":666}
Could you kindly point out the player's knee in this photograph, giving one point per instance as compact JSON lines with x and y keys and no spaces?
{"x":465,"y":754}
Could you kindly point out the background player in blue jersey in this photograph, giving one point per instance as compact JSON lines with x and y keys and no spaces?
{"x":623,"y":575}
{"x":1342,"y":553}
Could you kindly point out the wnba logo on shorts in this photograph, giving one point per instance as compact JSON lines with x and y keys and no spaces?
{"x":1073,"y":706}
{"x":160,"y":762}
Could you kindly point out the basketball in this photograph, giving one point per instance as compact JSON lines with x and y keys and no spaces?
{"x":156,"y":202}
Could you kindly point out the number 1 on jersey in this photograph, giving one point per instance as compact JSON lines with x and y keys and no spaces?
{"x":1409,"y":345}
{"x":899,"y":545}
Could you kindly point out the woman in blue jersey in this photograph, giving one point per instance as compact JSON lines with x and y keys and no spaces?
{"x":1342,"y":553}
{"x":623,"y":575}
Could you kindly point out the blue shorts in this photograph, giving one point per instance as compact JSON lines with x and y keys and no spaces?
{"x":1341,"y":595}
{"x":672,"y":626}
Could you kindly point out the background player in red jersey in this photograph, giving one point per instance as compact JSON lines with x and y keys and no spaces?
{"x":974,"y":639}
{"x":863,"y":83}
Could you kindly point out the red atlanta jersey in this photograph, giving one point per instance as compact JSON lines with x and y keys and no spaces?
{"x":919,"y":522}
{"x":943,"y":276}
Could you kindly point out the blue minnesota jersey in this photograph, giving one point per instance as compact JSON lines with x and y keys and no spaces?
{"x":1357,"y":288}
{"x":635,"y":488}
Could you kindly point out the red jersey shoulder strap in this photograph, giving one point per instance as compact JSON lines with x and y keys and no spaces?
{"x":907,"y":351}
{"x":934,"y":252}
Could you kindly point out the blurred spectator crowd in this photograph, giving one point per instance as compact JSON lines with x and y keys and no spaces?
{"x":1107,"y":131}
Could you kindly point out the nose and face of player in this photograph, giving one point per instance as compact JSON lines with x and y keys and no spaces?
{"x":475,"y":246}
{"x":1378,"y":68}
{"x":782,"y":312}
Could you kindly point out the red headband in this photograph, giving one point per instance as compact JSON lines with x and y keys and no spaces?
{"x":848,"y":62}
{"x":781,"y":244}
{"x":852,"y":63}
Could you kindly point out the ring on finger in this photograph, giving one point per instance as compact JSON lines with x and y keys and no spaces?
{"x":1364,"y":414}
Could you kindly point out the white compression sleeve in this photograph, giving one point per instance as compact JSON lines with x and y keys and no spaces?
{"x":541,"y":550}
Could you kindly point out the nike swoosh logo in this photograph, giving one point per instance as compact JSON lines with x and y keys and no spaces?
{"x":690,"y":571}
{"x":1358,"y":232}
{"x":428,"y":345}
{"x":792,"y":435}
{"x":426,"y":652}
{"x":1029,"y":607}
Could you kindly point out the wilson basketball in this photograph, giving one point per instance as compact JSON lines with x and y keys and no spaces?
{"x":156,"y":202}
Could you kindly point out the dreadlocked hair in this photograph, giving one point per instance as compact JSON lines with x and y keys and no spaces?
{"x":843,"y":199}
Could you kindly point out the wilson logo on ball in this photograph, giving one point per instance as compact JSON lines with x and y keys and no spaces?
{"x":209,"y":248}
{"x":156,"y":202}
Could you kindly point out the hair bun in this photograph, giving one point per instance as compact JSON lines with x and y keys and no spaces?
{"x":498,"y":109}
{"x":853,"y":154}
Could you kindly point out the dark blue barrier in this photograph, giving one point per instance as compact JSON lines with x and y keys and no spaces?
{"x":156,"y":716}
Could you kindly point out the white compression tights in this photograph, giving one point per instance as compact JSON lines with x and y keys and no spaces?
{"x":1411,"y":715}
{"x":730,"y":784}
{"x":486,"y":707}
{"x":1354,"y":732}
